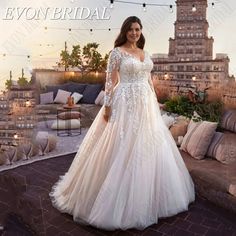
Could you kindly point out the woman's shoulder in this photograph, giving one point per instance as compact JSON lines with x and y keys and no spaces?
{"x":115,"y":52}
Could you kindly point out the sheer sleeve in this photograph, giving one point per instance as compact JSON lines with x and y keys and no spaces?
{"x":112,"y":75}
{"x":151,"y":83}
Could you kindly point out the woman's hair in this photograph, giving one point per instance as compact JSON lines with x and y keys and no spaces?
{"x":121,"y":39}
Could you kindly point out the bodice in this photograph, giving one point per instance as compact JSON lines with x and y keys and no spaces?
{"x":132,"y":69}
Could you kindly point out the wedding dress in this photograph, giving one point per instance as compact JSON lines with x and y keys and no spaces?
{"x":128,"y":172}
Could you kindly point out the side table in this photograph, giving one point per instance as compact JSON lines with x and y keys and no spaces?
{"x":68,"y":131}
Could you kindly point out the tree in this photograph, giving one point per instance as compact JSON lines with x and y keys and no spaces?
{"x":65,"y":59}
{"x":8,"y":84}
{"x":76,"y":56}
{"x":22,"y":81}
{"x":86,"y":60}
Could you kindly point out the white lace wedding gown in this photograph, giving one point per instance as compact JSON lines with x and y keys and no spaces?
{"x":128,"y":172}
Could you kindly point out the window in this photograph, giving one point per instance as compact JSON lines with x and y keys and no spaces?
{"x":189,"y":68}
{"x":180,"y":68}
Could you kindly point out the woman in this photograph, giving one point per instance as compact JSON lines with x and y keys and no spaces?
{"x":128,"y":171}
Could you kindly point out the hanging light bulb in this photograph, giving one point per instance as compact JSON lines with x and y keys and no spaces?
{"x":194,"y":8}
{"x":111,"y":3}
{"x":213,"y":5}
{"x":166,"y":76}
{"x":144,"y":7}
{"x":15,"y":136}
{"x":171,"y":9}
{"x":91,"y":31}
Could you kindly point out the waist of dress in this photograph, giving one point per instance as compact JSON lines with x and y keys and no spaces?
{"x":133,"y":82}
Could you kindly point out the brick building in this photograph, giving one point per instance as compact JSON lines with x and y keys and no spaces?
{"x":190,"y":62}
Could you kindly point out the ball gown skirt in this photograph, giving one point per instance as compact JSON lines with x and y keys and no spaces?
{"x":128,"y":172}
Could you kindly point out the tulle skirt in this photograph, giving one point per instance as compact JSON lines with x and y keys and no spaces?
{"x":128,"y":172}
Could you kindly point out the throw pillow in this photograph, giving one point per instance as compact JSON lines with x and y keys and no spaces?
{"x":76,"y":87}
{"x":4,"y":160}
{"x":62,"y":96}
{"x":69,"y":115}
{"x":100,"y":98}
{"x":228,"y":121}
{"x":168,"y":120}
{"x":226,"y":153}
{"x":198,"y":139}
{"x":45,"y":142}
{"x":55,"y":88}
{"x":90,"y":93}
{"x":179,"y":128}
{"x":46,"y":98}
{"x":77,"y":97}
{"x":66,"y":124}
{"x":214,"y":145}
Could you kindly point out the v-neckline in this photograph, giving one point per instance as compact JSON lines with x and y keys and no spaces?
{"x":132,"y":55}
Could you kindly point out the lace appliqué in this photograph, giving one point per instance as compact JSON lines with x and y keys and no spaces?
{"x":113,"y":64}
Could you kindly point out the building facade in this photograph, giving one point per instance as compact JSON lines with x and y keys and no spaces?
{"x":18,"y":119}
{"x":190,"y":62}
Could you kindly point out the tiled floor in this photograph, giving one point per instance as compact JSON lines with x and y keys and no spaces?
{"x":203,"y":218}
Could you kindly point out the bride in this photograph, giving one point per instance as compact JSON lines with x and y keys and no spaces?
{"x":128,"y":171}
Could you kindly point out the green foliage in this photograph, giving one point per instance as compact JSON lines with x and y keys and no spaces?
{"x":8,"y":84}
{"x":87,"y":60}
{"x":210,"y":111}
{"x":22,"y":81}
{"x":65,"y":59}
{"x":180,"y":105}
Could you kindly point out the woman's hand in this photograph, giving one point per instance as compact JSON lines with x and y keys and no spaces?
{"x":107,"y":113}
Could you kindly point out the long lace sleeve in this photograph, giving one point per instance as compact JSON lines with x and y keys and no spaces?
{"x":151,"y":83}
{"x":112,"y":75}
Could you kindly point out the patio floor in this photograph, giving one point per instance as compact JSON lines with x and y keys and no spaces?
{"x":203,"y":218}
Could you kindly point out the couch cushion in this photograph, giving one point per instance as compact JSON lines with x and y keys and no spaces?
{"x":76,"y":87}
{"x":198,"y":138}
{"x":228,"y":121}
{"x":90,"y":93}
{"x":214,"y":145}
{"x":46,"y":98}
{"x":54,"y":88}
{"x":69,"y":115}
{"x":66,"y":124}
{"x":179,"y":128}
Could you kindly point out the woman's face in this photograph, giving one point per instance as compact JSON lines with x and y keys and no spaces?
{"x":134,"y":33}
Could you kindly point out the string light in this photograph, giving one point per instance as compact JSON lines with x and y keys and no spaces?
{"x":15,"y":55}
{"x":194,"y":8}
{"x":144,"y":7}
{"x":111,"y":3}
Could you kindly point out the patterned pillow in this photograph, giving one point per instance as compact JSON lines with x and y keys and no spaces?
{"x":229,"y":120}
{"x":62,"y":96}
{"x":214,"y":145}
{"x":66,"y":124}
{"x":198,"y":138}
